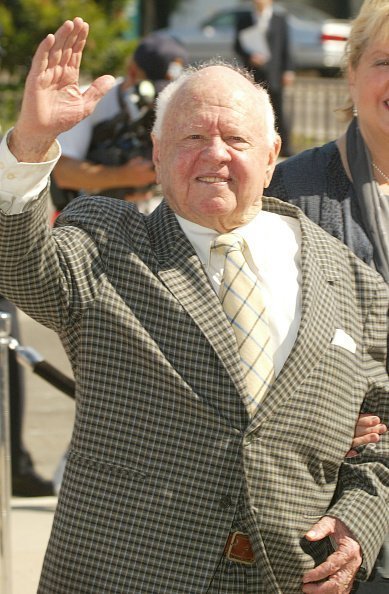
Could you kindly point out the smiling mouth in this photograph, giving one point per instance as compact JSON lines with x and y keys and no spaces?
{"x":209,"y":179}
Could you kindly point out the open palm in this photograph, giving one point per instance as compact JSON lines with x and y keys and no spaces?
{"x":52,"y":100}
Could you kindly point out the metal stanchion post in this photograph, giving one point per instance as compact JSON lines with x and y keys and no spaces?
{"x":5,"y":458}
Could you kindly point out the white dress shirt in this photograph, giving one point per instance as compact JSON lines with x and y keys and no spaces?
{"x":274,"y":242}
{"x":20,"y":183}
{"x":254,"y":39}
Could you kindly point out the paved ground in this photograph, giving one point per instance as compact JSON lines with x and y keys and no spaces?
{"x":48,"y":422}
{"x":30,"y":529}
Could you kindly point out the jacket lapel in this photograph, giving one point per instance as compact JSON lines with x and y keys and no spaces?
{"x":181,"y":271}
{"x":318,"y":315}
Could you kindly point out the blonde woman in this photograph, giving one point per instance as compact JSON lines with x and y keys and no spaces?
{"x":346,"y":191}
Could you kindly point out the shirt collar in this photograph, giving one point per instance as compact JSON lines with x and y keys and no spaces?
{"x":201,"y":237}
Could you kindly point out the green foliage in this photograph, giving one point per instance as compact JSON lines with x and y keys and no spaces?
{"x":26,"y":22}
{"x":6,"y":26}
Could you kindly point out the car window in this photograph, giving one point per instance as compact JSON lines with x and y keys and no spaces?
{"x":221,"y":21}
{"x":303,"y":11}
{"x":227,"y":18}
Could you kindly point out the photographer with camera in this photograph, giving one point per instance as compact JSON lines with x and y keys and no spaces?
{"x":109,"y":152}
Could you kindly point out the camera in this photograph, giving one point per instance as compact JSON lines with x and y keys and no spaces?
{"x":117,"y":140}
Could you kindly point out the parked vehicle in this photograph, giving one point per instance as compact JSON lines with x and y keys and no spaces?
{"x":317,"y":39}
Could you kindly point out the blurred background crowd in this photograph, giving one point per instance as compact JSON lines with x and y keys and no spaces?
{"x":318,"y":31}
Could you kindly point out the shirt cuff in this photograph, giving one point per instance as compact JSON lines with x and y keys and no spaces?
{"x":22,"y":182}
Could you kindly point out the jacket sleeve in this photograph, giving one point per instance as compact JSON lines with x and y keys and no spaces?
{"x":287,"y":54}
{"x":243,"y":22}
{"x":52,"y":275}
{"x":362,"y":495}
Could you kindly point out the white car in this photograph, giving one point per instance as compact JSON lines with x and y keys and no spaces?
{"x":317,"y":40}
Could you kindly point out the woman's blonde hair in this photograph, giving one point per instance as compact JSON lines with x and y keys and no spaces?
{"x":372,"y":23}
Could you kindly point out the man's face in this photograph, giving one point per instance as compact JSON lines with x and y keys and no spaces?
{"x":214,"y":157}
{"x":260,"y":5}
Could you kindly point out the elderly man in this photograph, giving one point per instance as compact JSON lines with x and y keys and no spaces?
{"x":207,"y":362}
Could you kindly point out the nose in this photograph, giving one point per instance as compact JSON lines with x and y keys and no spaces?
{"x":217,"y":150}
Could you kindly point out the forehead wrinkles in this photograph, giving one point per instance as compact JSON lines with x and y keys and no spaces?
{"x":195,"y":103}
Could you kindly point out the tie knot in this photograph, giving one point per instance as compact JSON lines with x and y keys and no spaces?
{"x":228,"y":242}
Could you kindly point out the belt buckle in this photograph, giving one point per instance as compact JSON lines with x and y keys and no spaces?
{"x":245,"y":554}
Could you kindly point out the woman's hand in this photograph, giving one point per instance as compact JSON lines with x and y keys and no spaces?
{"x":368,"y":430}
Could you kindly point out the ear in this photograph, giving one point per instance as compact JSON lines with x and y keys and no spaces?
{"x":272,"y":161}
{"x":156,"y":157}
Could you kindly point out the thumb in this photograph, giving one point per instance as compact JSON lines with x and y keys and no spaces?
{"x":96,"y":90}
{"x":351,"y":454}
{"x":325,"y":527}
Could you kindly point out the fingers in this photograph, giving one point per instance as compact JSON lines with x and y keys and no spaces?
{"x":325,"y":527}
{"x":40,"y":60}
{"x":373,"y":437}
{"x":337,"y":573}
{"x":341,"y":584}
{"x":343,"y":561}
{"x":96,"y":90}
{"x":368,"y":430}
{"x":69,"y":42}
{"x":64,"y":47}
{"x":369,"y":424}
{"x":374,"y":431}
{"x":78,"y":46}
{"x":351,"y":454}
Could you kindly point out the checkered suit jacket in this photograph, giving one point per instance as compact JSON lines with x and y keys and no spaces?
{"x":163,"y":458}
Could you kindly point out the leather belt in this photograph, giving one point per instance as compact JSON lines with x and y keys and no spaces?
{"x":238,"y":548}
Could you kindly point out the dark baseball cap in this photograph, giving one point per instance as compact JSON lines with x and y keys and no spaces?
{"x":156,"y":53}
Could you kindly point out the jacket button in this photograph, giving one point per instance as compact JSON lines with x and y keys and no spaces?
{"x":225,"y":502}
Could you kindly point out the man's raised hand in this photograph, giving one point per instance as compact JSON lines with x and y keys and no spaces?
{"x":53,"y":101}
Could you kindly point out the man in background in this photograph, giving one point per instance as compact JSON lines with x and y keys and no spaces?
{"x":100,"y":154}
{"x":262,"y":41}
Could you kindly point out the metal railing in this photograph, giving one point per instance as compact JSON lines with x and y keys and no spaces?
{"x":5,"y":458}
{"x":33,"y":360}
{"x":310,"y":105}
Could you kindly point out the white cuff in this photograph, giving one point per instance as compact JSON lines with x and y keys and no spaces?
{"x":21,"y":182}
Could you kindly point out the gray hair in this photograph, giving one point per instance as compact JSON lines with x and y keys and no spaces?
{"x":166,"y":95}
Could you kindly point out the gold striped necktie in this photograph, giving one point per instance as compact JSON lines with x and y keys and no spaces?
{"x":243,"y":304}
